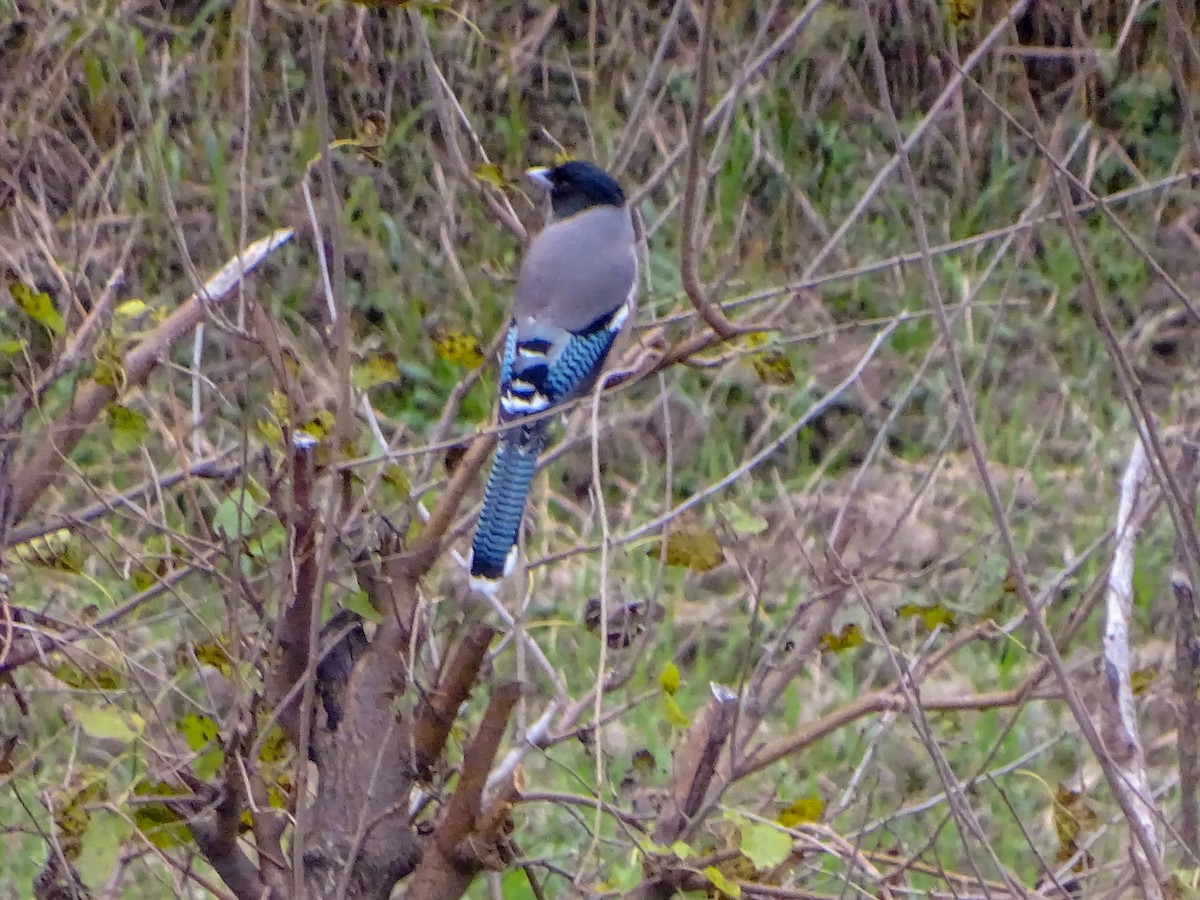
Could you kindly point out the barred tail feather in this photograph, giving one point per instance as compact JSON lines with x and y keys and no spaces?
{"x":493,"y":550}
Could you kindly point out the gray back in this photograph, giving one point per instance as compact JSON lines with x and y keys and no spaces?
{"x":578,"y":269}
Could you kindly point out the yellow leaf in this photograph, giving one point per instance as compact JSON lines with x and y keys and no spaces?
{"x":773,"y":367}
{"x":932,"y":616}
{"x":213,"y":654}
{"x":108,"y":722}
{"x":13,"y":346}
{"x":644,"y":762}
{"x":960,"y":11}
{"x":35,"y":304}
{"x":1141,"y":679}
{"x":802,"y":811}
{"x":274,"y":747}
{"x":668,"y":680}
{"x":458,"y":347}
{"x":675,"y":715}
{"x":848,"y":638}
{"x":374,"y":371}
{"x":490,"y":173}
{"x":58,"y":550}
{"x":692,"y":548}
{"x":130,"y":309}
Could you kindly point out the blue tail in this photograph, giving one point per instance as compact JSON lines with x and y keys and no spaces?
{"x":493,"y":548}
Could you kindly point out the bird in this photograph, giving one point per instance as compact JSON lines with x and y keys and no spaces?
{"x":575,"y":290}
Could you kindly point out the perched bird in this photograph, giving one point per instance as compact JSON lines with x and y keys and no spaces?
{"x":575,"y":290}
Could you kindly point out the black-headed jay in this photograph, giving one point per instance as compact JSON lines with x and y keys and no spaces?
{"x":575,"y":290}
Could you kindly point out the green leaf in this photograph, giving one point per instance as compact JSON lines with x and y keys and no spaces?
{"x":358,"y":602}
{"x":129,"y":427}
{"x":235,"y":514}
{"x":719,"y":881}
{"x":100,"y":847}
{"x":743,"y":521}
{"x":108,"y":722}
{"x":37,"y":305}
{"x":160,"y":825}
{"x":199,"y":731}
{"x":765,"y":845}
{"x":682,"y":850}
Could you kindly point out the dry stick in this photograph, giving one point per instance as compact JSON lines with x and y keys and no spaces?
{"x":13,"y":416}
{"x":1007,"y":540}
{"x":906,"y":145}
{"x":65,"y":433}
{"x":788,"y":433}
{"x":443,"y":94}
{"x":449,"y":864}
{"x":213,"y":468}
{"x":1126,"y":376}
{"x":636,"y":120}
{"x":306,"y":635}
{"x":1118,"y":715}
{"x":692,"y":202}
{"x":900,"y":260}
{"x":752,"y":70}
{"x":1187,"y":655}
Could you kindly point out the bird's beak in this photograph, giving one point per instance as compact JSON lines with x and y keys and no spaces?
{"x":540,"y":176}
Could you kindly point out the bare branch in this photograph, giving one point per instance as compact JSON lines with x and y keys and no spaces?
{"x":64,"y":434}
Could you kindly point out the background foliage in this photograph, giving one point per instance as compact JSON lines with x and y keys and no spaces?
{"x":857,"y":566}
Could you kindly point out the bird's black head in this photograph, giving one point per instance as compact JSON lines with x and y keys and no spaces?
{"x":576,"y":185}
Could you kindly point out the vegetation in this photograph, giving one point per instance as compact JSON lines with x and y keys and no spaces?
{"x":871,"y":571}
